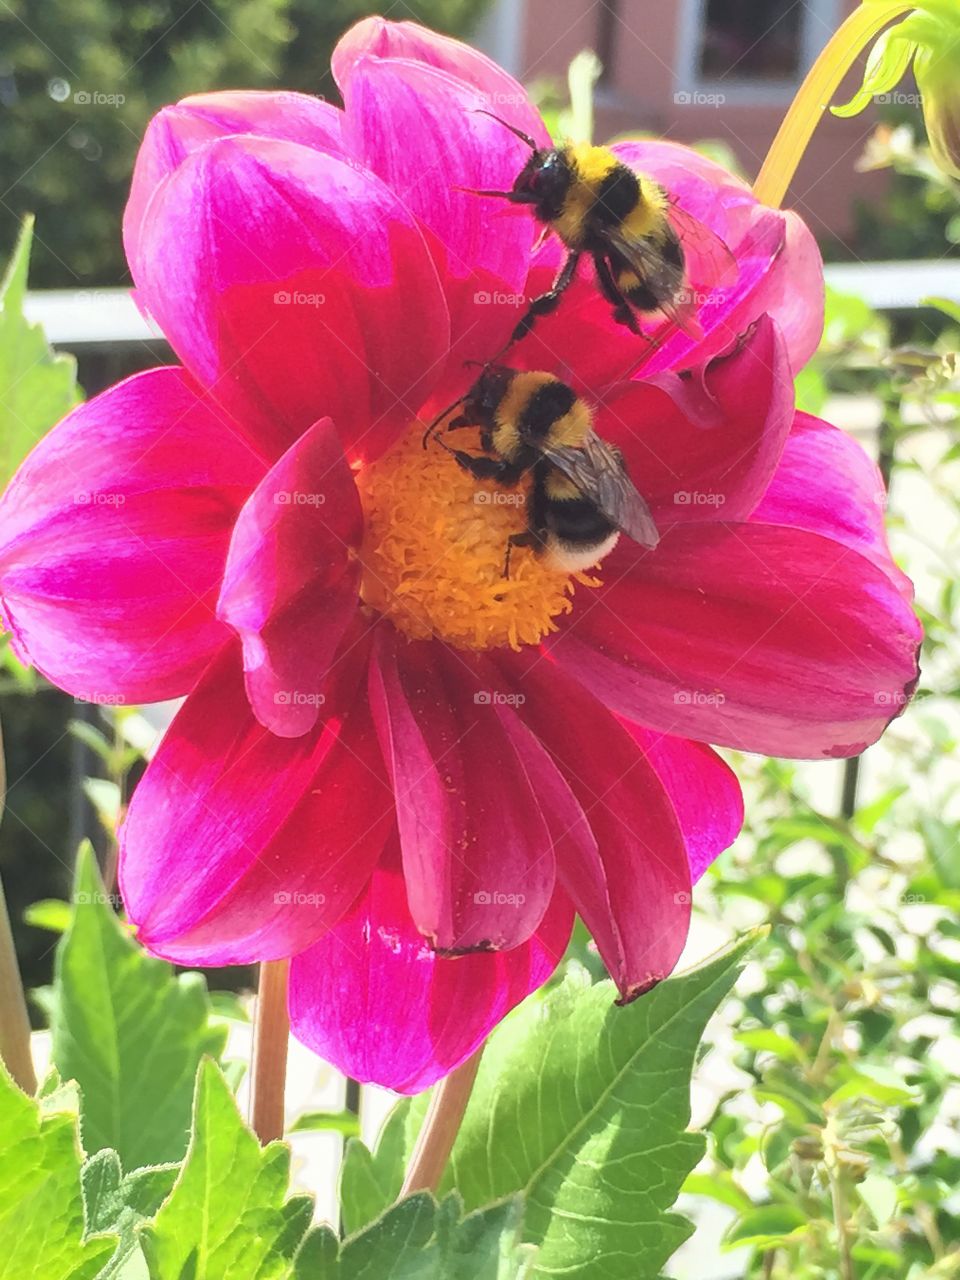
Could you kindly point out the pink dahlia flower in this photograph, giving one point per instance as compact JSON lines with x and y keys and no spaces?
{"x":394,"y":766}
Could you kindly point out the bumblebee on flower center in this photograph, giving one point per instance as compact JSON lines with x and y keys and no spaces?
{"x":435,"y":539}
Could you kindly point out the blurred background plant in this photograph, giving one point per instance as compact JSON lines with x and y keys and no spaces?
{"x":830,"y":1082}
{"x":89,"y":74}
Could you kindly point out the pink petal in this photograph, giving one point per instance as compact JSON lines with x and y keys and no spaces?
{"x":176,"y":131}
{"x":287,"y":280}
{"x":421,"y":132}
{"x":290,"y":587}
{"x":687,"y":471}
{"x":631,"y":885}
{"x":703,"y":789}
{"x":826,"y":483}
{"x":378,"y":38}
{"x":477,"y":854}
{"x":373,"y":999}
{"x":780,"y":268}
{"x":755,"y":636}
{"x":241,"y":846}
{"x":113,"y":539}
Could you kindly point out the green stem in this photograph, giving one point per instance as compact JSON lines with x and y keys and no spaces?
{"x":14,"y":1021}
{"x":816,"y":92}
{"x":271,"y":1035}
{"x":440,"y":1128}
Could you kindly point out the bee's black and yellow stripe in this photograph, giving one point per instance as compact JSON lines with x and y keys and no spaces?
{"x":604,"y":194}
{"x":537,"y":408}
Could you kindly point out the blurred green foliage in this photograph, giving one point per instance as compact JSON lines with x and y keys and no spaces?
{"x":836,"y":1151}
{"x":79,"y":79}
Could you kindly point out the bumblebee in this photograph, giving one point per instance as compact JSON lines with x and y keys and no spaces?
{"x":581,"y":497}
{"x":638,"y":237}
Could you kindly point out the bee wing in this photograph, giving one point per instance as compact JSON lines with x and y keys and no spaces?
{"x":715,"y":264}
{"x":598,"y":472}
{"x":663,"y":278}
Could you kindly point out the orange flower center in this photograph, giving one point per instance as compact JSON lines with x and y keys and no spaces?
{"x":434,"y":548}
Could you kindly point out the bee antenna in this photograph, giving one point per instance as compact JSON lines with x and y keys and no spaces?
{"x":438,"y":419}
{"x":524,"y":137}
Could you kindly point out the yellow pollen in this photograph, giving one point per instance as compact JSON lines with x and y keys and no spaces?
{"x":434,"y":545}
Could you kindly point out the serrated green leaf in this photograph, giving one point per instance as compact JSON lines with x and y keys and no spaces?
{"x":418,"y":1239}
{"x":371,"y":1181}
{"x":582,"y":1107}
{"x":228,"y":1214}
{"x":128,"y":1030}
{"x":41,"y":1208}
{"x":37,"y":386}
{"x":121,"y":1205}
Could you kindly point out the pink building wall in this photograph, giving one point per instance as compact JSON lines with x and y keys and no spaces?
{"x":649,"y":42}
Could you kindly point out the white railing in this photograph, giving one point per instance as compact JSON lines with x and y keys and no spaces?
{"x":110,"y":316}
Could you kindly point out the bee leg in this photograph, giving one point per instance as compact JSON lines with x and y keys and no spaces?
{"x":623,"y":313}
{"x":505,"y":473}
{"x":525,"y":539}
{"x":546,"y":302}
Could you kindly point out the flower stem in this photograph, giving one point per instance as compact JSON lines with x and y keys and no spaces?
{"x":268,"y":1069}
{"x":821,"y":83}
{"x":440,"y":1128}
{"x":14,"y":1022}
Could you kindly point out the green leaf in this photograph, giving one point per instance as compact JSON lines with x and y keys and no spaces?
{"x":128,"y":1030}
{"x":418,"y":1239}
{"x":582,"y":1107}
{"x":720,"y":1187}
{"x":371,"y":1181}
{"x":228,"y":1214}
{"x":41,"y":1208}
{"x":765,"y":1040}
{"x":879,"y":1194}
{"x":946,"y":305}
{"x":52,"y":914}
{"x":769,"y":1225}
{"x":878,"y":1083}
{"x":121,"y":1205}
{"x":37,"y":387}
{"x":345,"y":1122}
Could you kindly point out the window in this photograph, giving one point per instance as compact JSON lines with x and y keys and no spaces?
{"x":745,"y":39}
{"x":750,"y":51}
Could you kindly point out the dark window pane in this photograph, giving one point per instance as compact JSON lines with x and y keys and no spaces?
{"x":752,"y":39}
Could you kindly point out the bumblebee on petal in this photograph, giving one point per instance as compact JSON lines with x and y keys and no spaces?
{"x":640,"y":240}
